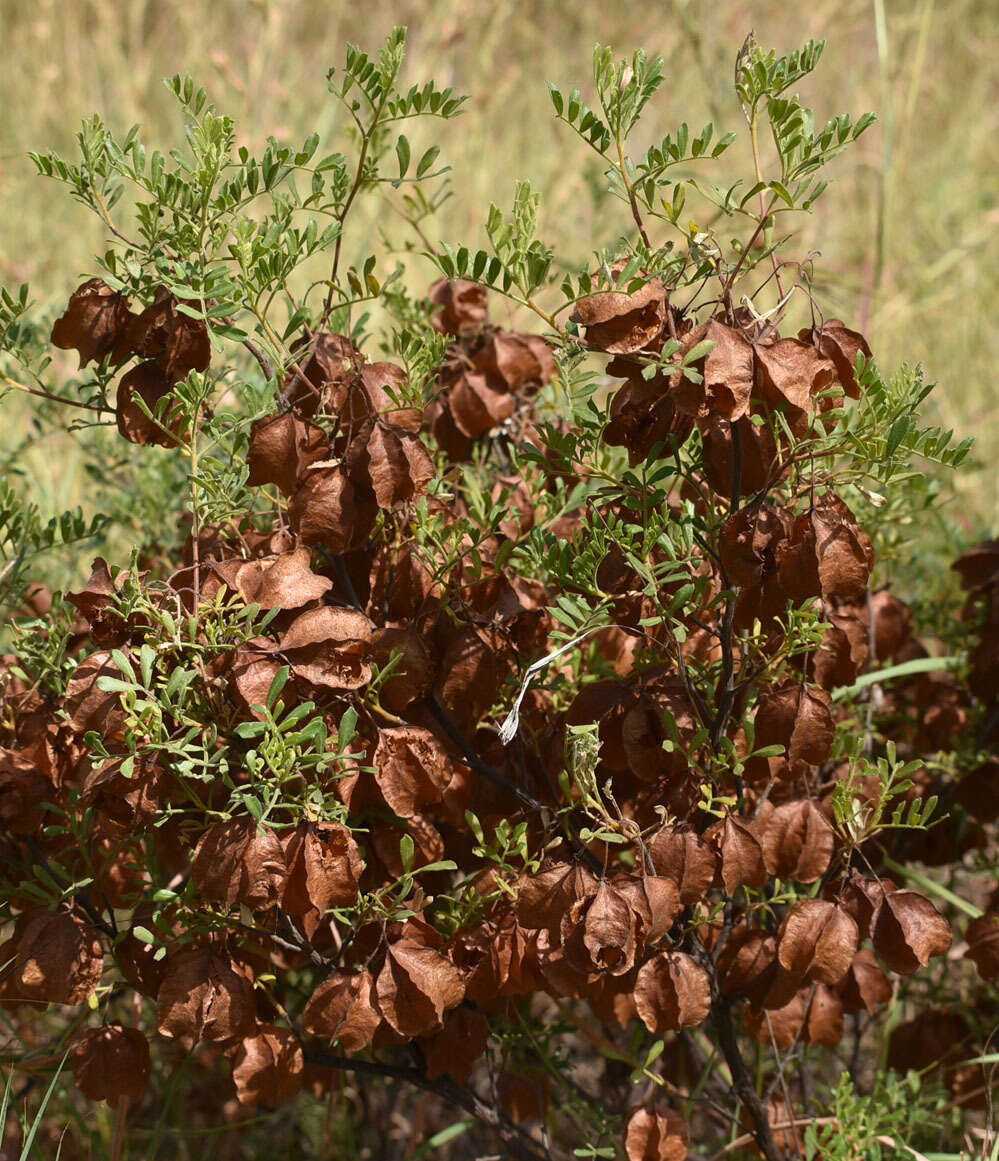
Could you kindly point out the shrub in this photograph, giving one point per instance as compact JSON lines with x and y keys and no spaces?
{"x":498,"y":721}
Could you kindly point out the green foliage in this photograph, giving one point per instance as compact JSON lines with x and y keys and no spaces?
{"x":900,"y":1114}
{"x":24,"y":537}
{"x":226,"y":232}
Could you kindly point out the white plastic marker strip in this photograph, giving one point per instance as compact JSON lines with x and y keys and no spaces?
{"x":508,"y":730}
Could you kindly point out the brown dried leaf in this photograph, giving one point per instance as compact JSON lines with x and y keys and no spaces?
{"x":428,"y":846}
{"x":23,"y":789}
{"x":412,"y":674}
{"x":285,"y":581}
{"x":203,"y":997}
{"x":522,"y":363}
{"x":477,"y":404}
{"x":611,"y":998}
{"x":415,"y":987}
{"x":798,"y":842}
{"x":398,"y":466}
{"x":608,"y":931}
{"x":740,"y":854}
{"x":250,"y":673}
{"x":524,"y":1095}
{"x":758,"y":463}
{"x":177,"y":343}
{"x":342,"y":1010}
{"x":322,"y":379}
{"x":329,"y":647}
{"x":95,"y":603}
{"x":798,"y":564}
{"x":136,"y":958}
{"x":781,"y":1026}
{"x":94,"y":323}
{"x":472,"y":668}
{"x":324,"y":866}
{"x":844,"y":551}
{"x":655,"y":900}
{"x":281,"y":447}
{"x":861,"y":898}
{"x":411,"y":768}
{"x":651,"y":1134}
{"x":111,"y":1063}
{"x":546,"y":898}
{"x":643,"y":733}
{"x":500,"y":959}
{"x":892,"y":623}
{"x":460,"y":1043}
{"x":440,"y":422}
{"x":400,"y":585}
{"x":672,"y":992}
{"x":683,"y":857}
{"x":865,"y":985}
{"x":844,"y":651}
{"x":151,"y":384}
{"x":824,"y":1018}
{"x":464,"y":306}
{"x":643,"y":414}
{"x":836,"y":342}
{"x":790,"y":373}
{"x":907,"y":931}
{"x":978,"y":566}
{"x":726,"y":374}
{"x":621,"y":323}
{"x":327,"y":509}
{"x":236,"y":862}
{"x":268,"y":1066}
{"x":51,"y":957}
{"x":817,"y":941}
{"x":125,"y":803}
{"x":799,"y":718}
{"x":748,"y":541}
{"x":983,"y":945}
{"x":379,"y":392}
{"x":746,"y":962}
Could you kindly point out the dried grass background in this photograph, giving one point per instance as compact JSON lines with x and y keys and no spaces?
{"x":909,"y":231}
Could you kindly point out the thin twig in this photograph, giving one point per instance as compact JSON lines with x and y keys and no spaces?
{"x":747,"y":1138}
{"x":742,"y":1085}
{"x":632,"y":200}
{"x":260,"y":357}
{"x":119,"y":1130}
{"x":443,"y":719}
{"x":519,"y":1145}
{"x":54,"y":398}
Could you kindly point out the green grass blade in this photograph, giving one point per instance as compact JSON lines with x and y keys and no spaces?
{"x":30,"y":1138}
{"x":906,"y":669}
{"x":441,"y":1138}
{"x":934,"y":888}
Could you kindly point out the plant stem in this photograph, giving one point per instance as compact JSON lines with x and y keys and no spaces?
{"x":742,"y":1085}
{"x":48,"y":395}
{"x":754,"y":138}
{"x":119,"y":1130}
{"x":103,"y":210}
{"x":441,"y":716}
{"x":358,"y":179}
{"x":730,"y":281}
{"x":195,"y":519}
{"x":726,"y":690}
{"x":631,"y":198}
{"x":519,"y":1145}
